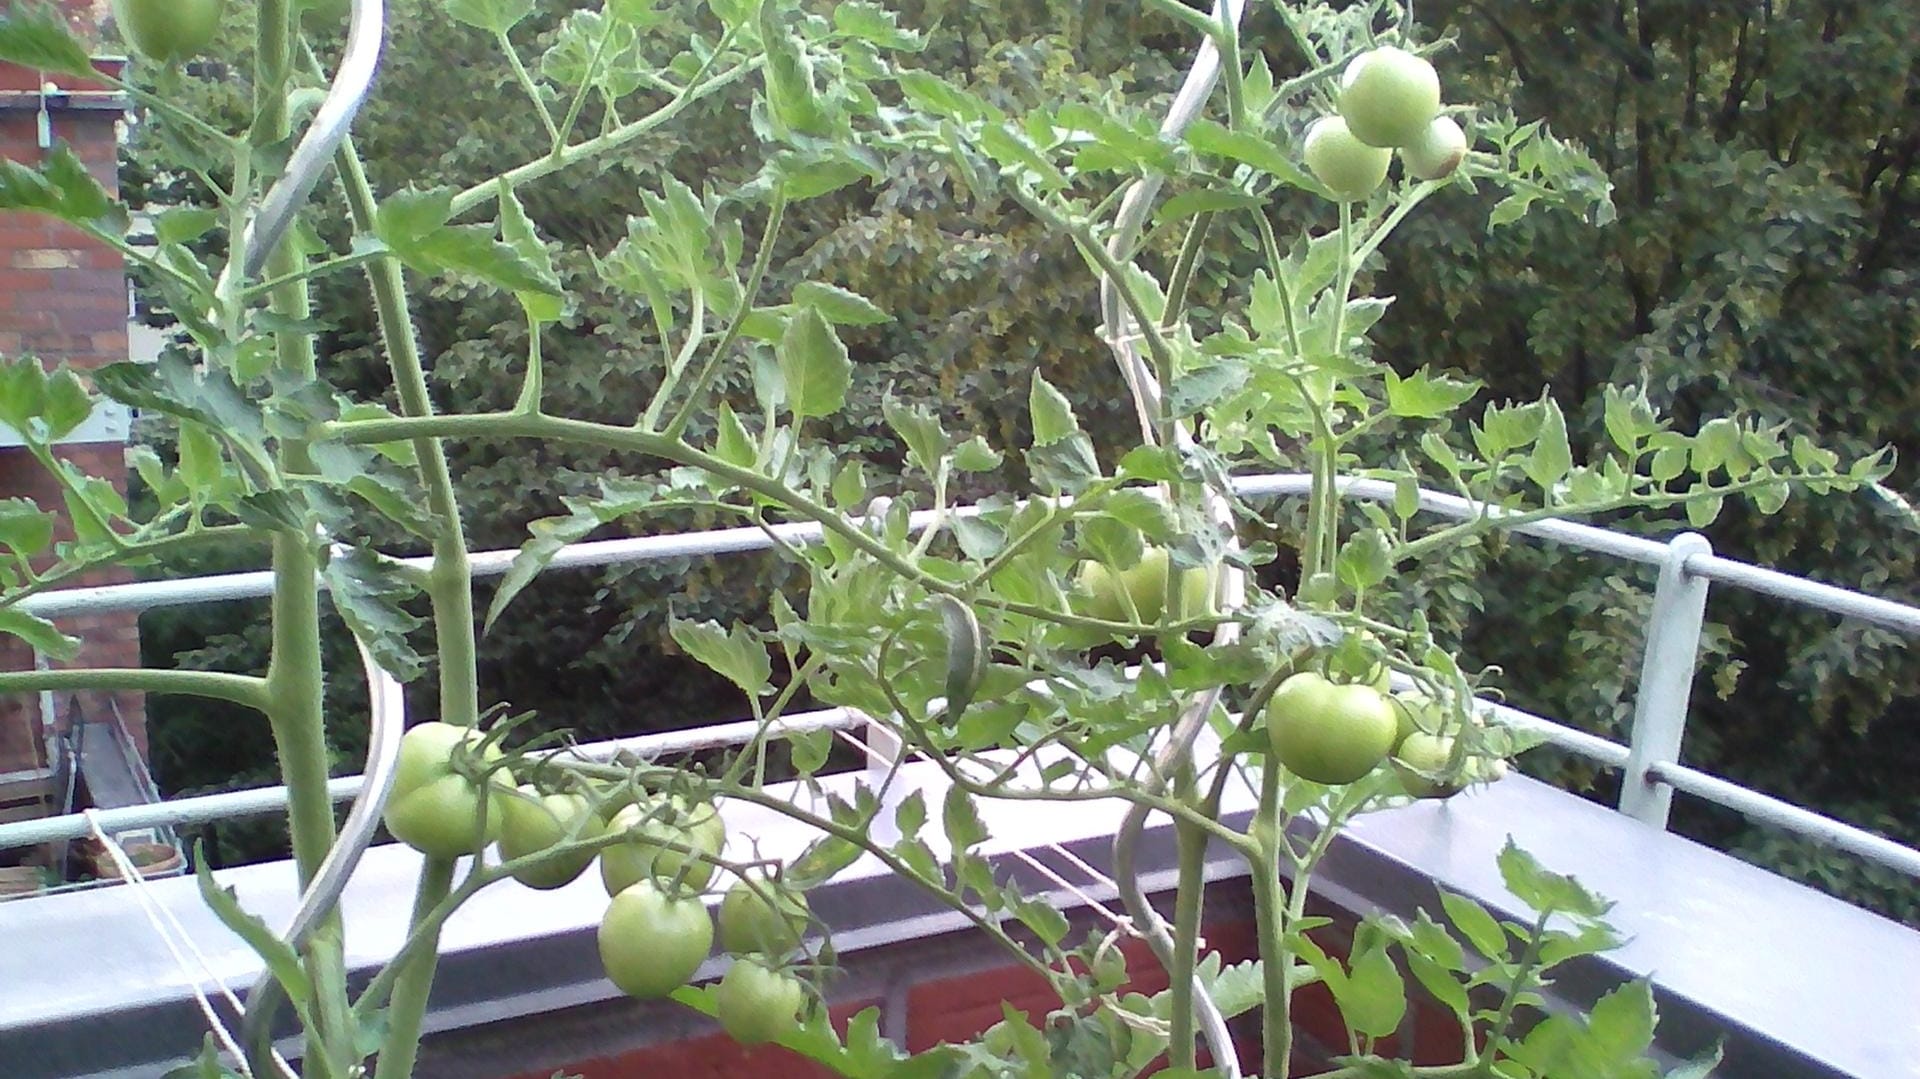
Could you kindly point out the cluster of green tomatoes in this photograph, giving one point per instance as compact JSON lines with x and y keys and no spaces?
{"x":1332,"y":724}
{"x":1389,"y":100}
{"x":175,"y":31}
{"x":453,"y":795}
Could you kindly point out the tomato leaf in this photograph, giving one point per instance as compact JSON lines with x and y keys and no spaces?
{"x":39,"y":633}
{"x":1052,"y":414}
{"x":493,"y":16}
{"x":813,"y":365}
{"x":36,"y":36}
{"x":368,"y":591}
{"x":1543,"y":890}
{"x":737,"y":655}
{"x":63,"y":188}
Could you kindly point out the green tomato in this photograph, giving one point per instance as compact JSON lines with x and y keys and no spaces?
{"x":645,"y":855}
{"x":752,"y":925}
{"x":757,"y":1005}
{"x":1421,"y":760}
{"x":168,"y":30}
{"x":1329,"y":733}
{"x":651,"y":943}
{"x":433,"y":808}
{"x":1139,"y":592}
{"x":443,"y":818}
{"x":535,"y":822}
{"x":1348,"y":167}
{"x":1417,"y":713}
{"x":1388,"y":96}
{"x":1437,"y":152}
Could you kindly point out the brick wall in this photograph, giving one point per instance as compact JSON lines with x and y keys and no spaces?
{"x":948,"y":1007}
{"x":63,"y":299}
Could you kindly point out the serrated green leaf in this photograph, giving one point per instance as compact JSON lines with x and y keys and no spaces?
{"x":738,"y":655}
{"x":1544,"y":890}
{"x":1051,"y":413}
{"x":550,"y":535}
{"x":919,"y":428}
{"x":1474,"y":923}
{"x":368,"y":591}
{"x":61,"y":187}
{"x":280,"y":959}
{"x":493,"y":16}
{"x":36,"y":36}
{"x":1425,"y":396}
{"x":1248,"y":148}
{"x":40,"y":634}
{"x":840,"y":306}
{"x":961,"y":820}
{"x":813,"y":365}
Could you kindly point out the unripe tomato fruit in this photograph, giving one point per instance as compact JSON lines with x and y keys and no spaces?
{"x":168,"y":30}
{"x":651,"y":942}
{"x":535,"y":822}
{"x":1419,"y":753}
{"x":1329,"y":733}
{"x":1106,"y":595}
{"x":645,"y":855}
{"x":751,"y":925}
{"x":1388,"y":96}
{"x":1348,"y":167}
{"x":757,"y":1005}
{"x":434,"y":809}
{"x":1415,"y":712}
{"x":1437,"y":152}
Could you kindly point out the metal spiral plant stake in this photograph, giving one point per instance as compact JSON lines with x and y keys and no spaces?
{"x":1123,"y":338}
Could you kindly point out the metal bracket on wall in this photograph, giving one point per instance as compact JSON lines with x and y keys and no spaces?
{"x":111,"y":422}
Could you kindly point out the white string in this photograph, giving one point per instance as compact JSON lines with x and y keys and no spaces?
{"x":1119,"y":920}
{"x":160,"y":918}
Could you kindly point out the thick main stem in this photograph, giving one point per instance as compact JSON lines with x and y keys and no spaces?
{"x":1188,"y":908}
{"x":407,"y":1007}
{"x":1270,"y":919}
{"x":449,"y":587}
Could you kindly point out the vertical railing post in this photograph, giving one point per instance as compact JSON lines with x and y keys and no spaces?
{"x":1666,"y":681}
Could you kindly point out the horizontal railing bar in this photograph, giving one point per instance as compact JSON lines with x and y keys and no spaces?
{"x":203,"y":808}
{"x":143,"y":595}
{"x":1766,"y":809}
{"x":1885,"y":613}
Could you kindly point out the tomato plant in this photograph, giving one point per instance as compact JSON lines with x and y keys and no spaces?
{"x":664,"y":840}
{"x":1138,"y":593}
{"x":970,"y":635}
{"x":757,"y":1004}
{"x":169,"y":30}
{"x":1437,"y":152}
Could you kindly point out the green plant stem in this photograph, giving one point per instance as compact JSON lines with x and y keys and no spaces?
{"x":555,"y":428}
{"x":527,"y":85}
{"x":240,"y":689}
{"x":762,"y":258}
{"x":1181,"y":279}
{"x":1188,"y":908}
{"x":450,"y":581}
{"x":1269,"y":904}
{"x":413,"y":975}
{"x":579,"y":101}
{"x":1522,"y":974}
{"x":449,"y":588}
{"x":600,"y":145}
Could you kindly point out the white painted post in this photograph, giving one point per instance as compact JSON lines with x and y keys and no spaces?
{"x":1666,"y":681}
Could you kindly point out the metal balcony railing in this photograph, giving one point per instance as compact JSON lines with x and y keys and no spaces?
{"x":1650,"y":759}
